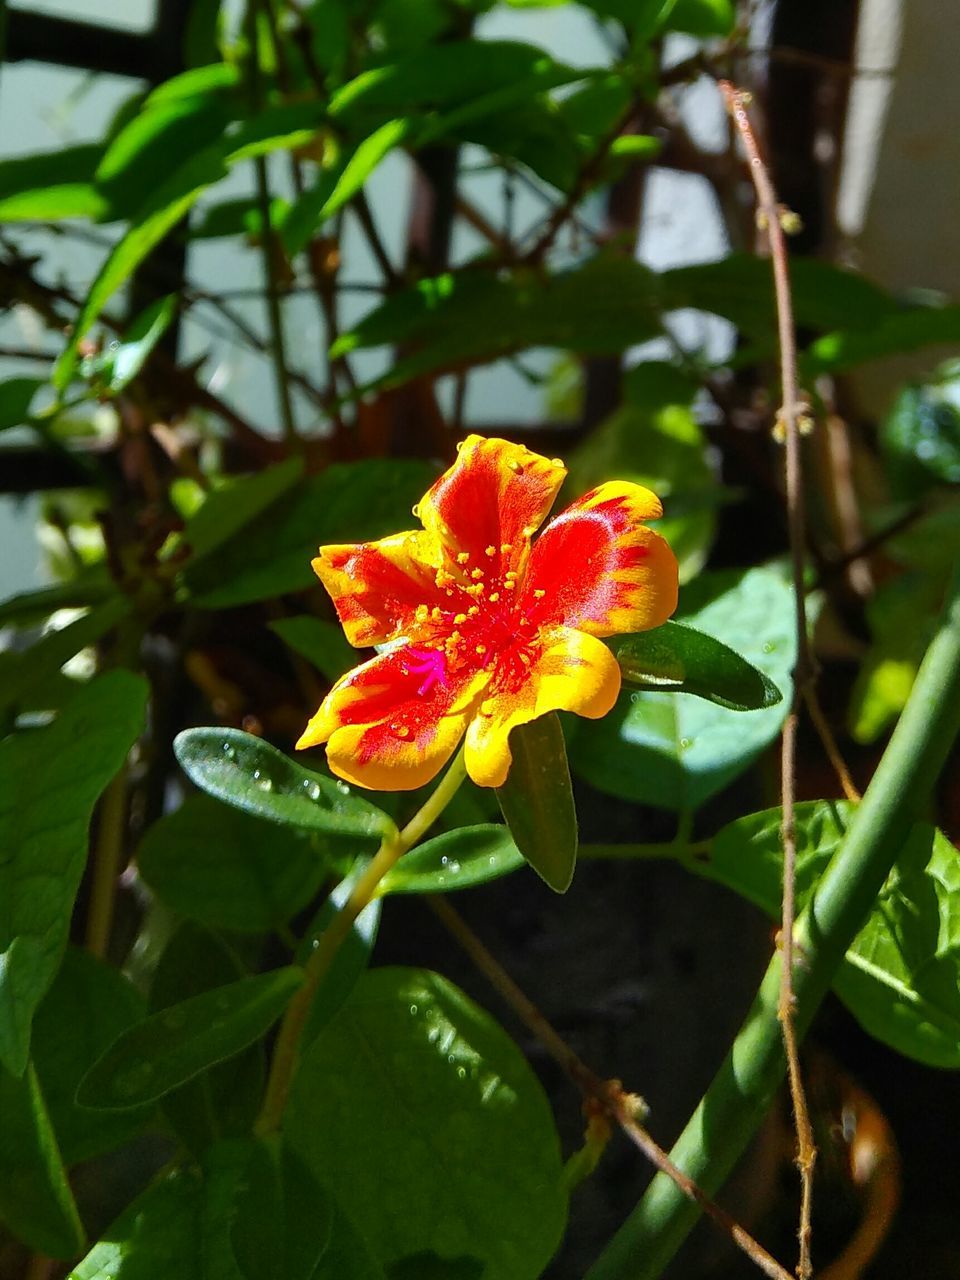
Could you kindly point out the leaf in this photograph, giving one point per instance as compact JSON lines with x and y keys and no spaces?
{"x":901,"y":976}
{"x":282,"y":1217}
{"x":36,"y":1202}
{"x":362,"y":163}
{"x":175,"y":1045}
{"x":703,"y":18}
{"x":323,"y":644}
{"x":225,"y":868}
{"x":675,"y":751}
{"x":50,"y":780}
{"x":88,"y":1006}
{"x":124,"y":361}
{"x":222,"y":1101}
{"x":251,"y":775}
{"x":30,"y":607}
{"x":921,"y":439}
{"x":347,"y":502}
{"x":347,"y":1255}
{"x":537,"y":801}
{"x":889,"y":332}
{"x":170,"y":202}
{"x":51,"y":185}
{"x":456,"y":860}
{"x":486,"y":1183}
{"x":352,"y":958}
{"x":16,"y":397}
{"x":29,"y":670}
{"x":685,"y":660}
{"x":237,"y":502}
{"x":282,"y":127}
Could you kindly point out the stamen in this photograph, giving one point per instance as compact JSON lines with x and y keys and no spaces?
{"x":459,"y":619}
{"x":510,"y":575}
{"x":494,"y":596}
{"x":422,"y":613}
{"x":473,"y":611}
{"x":539,"y":594}
{"x":510,"y":585}
{"x":462,"y":557}
{"x":474,"y":573}
{"x":505,"y":548}
{"x":436,"y":613}
{"x":480,"y":650}
{"x":491,"y":551}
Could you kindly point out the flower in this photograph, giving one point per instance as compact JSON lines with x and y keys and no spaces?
{"x":486,"y":629}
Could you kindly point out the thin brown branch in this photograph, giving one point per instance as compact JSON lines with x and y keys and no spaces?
{"x":825,"y":733}
{"x":770,"y":215}
{"x":623,"y":1108}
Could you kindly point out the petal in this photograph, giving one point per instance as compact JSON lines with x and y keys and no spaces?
{"x":597,"y":568}
{"x":377,"y":587}
{"x":490,"y":502}
{"x":574,"y":672}
{"x":394,"y":722}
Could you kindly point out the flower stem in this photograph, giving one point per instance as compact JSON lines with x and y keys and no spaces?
{"x":738,"y":1098}
{"x":287,"y":1050}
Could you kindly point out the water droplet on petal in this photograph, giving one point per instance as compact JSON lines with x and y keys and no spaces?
{"x":229,"y":751}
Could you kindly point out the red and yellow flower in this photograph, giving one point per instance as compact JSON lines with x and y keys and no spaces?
{"x":486,"y":629}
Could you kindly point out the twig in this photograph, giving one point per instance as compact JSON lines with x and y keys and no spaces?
{"x":365,"y":217}
{"x":621,"y":1107}
{"x":771,"y":214}
{"x":822,"y":726}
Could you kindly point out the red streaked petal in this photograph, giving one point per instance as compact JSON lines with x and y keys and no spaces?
{"x":597,"y":568}
{"x":394,"y":722}
{"x":574,"y":672}
{"x":490,"y":502}
{"x":377,"y":587}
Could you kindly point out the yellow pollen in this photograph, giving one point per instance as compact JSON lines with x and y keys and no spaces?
{"x":514,"y":466}
{"x":505,"y":548}
{"x":525,"y":658}
{"x":473,"y":611}
{"x":491,"y":551}
{"x":480,"y":650}
{"x":476,"y":573}
{"x":510,"y":575}
{"x":538,"y":594}
{"x":460,"y":617}
{"x":529,"y":530}
{"x":524,"y":621}
{"x":462,"y":557}
{"x":454,"y":638}
{"x":422,"y":613}
{"x":475,"y":590}
{"x":436,"y":613}
{"x":486,"y":707}
{"x":494,"y":597}
{"x":510,"y":585}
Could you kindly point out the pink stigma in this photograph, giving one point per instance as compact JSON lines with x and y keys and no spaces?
{"x":431,"y":663}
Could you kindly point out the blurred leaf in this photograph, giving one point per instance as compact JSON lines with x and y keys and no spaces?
{"x":347,"y":502}
{"x":224,"y":868}
{"x":16,"y":397}
{"x":222,"y":1101}
{"x":215,"y":78}
{"x":51,"y":185}
{"x":234,"y":504}
{"x":122,"y":362}
{"x":175,"y":1045}
{"x":537,"y":801}
{"x":36,"y":1202}
{"x":228,"y":218}
{"x":282,"y":1216}
{"x":250,"y":774}
{"x":352,"y":958}
{"x":901,"y":976}
{"x":675,"y":751}
{"x":703,"y":18}
{"x":447,"y":1058}
{"x":361,"y":164}
{"x":50,"y":780}
{"x":323,"y":644}
{"x":878,"y":335}
{"x":684,"y":660}
{"x":655,"y":440}
{"x":31,"y":607}
{"x":88,"y":1006}
{"x":921,"y":439}
{"x":456,"y":860}
{"x":283,"y":127}
{"x":26,"y":670}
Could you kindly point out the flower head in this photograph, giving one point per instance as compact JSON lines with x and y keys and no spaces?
{"x":486,"y":629}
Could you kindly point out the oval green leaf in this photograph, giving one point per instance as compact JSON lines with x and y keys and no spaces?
{"x":537,"y":801}
{"x":456,"y":860}
{"x":171,"y":1047}
{"x":250,"y":774}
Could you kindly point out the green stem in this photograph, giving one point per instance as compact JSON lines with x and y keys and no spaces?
{"x":392,"y":848}
{"x":741,"y":1092}
{"x":107,"y":857}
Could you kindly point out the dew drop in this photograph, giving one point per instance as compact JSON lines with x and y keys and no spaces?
{"x":454,"y":868}
{"x":414,"y":1010}
{"x":311,"y":788}
{"x":229,"y":751}
{"x":686,"y":744}
{"x":444,"y":860}
{"x":768,"y":646}
{"x":343,"y":788}
{"x":462,"y":1073}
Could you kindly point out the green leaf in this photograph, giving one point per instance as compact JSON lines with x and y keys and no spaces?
{"x":36,"y":1202}
{"x":675,"y":751}
{"x":24,"y":673}
{"x":170,"y":202}
{"x":237,"y":502}
{"x":123,"y":362}
{"x":878,"y":335}
{"x":362,"y":163}
{"x":30,"y":607}
{"x":282,"y":1217}
{"x":50,"y":780}
{"x":921,"y":439}
{"x":51,"y":185}
{"x":225,"y":868}
{"x":347,"y":502}
{"x":352,"y":958}
{"x":347,"y":1255}
{"x":16,"y":397}
{"x":456,"y":860}
{"x":537,"y":801}
{"x":223,"y":1100}
{"x":487,"y":1183}
{"x":323,"y":644}
{"x":703,"y":18}
{"x":88,"y":1006}
{"x":685,"y":660}
{"x":175,"y":1045}
{"x":250,"y":774}
{"x":901,"y":976}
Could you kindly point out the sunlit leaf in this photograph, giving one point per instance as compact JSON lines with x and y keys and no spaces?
{"x":458,"y":859}
{"x":684,"y":660}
